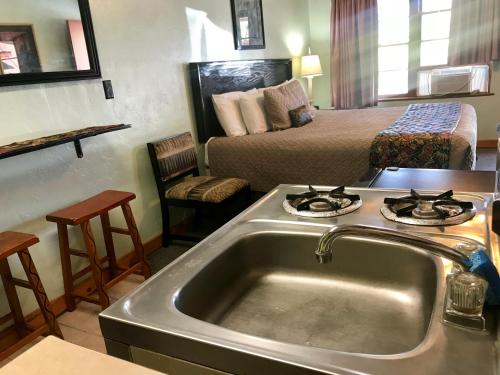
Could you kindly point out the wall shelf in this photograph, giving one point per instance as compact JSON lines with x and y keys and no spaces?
{"x":74,"y":136}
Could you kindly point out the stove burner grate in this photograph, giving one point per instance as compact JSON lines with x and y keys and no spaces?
{"x":314,"y":203}
{"x":419,"y":209}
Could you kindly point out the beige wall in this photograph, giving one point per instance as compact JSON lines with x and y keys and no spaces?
{"x":143,"y":47}
{"x":487,"y":108}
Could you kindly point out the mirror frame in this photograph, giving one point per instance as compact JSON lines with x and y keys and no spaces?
{"x":73,"y":75}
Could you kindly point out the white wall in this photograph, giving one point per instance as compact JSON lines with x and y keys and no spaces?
{"x":48,"y":19}
{"x":487,"y":108}
{"x":143,"y":49}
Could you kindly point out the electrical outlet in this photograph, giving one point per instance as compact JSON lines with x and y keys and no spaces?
{"x":108,"y":89}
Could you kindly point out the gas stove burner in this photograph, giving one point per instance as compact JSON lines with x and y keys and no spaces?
{"x":314,"y":203}
{"x":429,"y":210}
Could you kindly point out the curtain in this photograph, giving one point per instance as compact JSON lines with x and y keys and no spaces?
{"x":474,"y":32}
{"x":354,"y":53}
{"x":496,"y":31}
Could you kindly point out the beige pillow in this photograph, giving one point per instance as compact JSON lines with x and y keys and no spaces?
{"x":254,"y":114}
{"x":278,"y":101}
{"x":227,"y":109}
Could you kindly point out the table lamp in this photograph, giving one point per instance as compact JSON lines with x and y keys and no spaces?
{"x":310,"y":68}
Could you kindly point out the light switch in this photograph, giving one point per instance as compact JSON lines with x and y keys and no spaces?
{"x":108,"y":89}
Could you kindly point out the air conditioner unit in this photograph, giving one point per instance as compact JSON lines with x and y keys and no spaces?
{"x":449,"y":83}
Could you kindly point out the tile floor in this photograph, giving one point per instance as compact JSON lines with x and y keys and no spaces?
{"x":486,"y":159}
{"x":81,"y":327}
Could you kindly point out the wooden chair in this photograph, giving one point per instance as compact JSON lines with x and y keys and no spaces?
{"x":179,"y":183}
{"x":80,"y":214}
{"x":17,"y":243}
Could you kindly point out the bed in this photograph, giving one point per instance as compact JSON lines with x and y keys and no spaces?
{"x":332,"y":150}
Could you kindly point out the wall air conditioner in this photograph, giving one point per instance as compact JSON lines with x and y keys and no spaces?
{"x":449,"y":83}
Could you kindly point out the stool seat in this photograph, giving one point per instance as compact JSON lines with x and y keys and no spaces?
{"x":90,"y":208}
{"x":12,"y":242}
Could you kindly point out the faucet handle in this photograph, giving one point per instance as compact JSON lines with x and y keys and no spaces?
{"x":466,"y":295}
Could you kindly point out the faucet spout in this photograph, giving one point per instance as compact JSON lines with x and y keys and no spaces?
{"x":324,"y":252}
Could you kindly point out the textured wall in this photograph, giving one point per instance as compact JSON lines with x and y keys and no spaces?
{"x":143,"y":47}
{"x":487,"y":107}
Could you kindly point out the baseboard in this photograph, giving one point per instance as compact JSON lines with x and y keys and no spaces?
{"x":35,"y":319}
{"x":487,"y":143}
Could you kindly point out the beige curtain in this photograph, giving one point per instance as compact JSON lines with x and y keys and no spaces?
{"x":475,"y":32}
{"x":354,"y":53}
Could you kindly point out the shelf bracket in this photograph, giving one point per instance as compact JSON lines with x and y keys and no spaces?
{"x":78,"y":148}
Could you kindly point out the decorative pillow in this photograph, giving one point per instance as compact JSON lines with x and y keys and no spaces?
{"x":280,"y":100}
{"x":254,"y":114}
{"x":227,"y":109}
{"x":300,"y":116}
{"x":281,"y":84}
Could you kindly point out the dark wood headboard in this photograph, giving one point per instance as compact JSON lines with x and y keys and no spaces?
{"x":208,"y":78}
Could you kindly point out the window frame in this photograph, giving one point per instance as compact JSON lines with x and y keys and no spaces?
{"x":414,"y":68}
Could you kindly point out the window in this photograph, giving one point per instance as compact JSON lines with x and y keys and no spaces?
{"x":413,"y":51}
{"x":435,"y":32}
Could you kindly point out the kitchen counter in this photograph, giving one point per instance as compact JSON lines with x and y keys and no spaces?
{"x":57,"y":357}
{"x":435,"y":179}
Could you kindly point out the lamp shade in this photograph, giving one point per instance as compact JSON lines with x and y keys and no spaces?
{"x":311,"y":66}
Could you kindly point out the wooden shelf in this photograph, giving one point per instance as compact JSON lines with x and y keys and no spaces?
{"x":74,"y":136}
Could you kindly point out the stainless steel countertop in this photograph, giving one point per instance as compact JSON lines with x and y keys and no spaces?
{"x":149,"y":319}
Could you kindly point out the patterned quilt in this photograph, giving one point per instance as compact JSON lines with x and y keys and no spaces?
{"x":420,"y":138}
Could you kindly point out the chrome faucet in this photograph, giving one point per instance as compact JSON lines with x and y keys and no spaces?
{"x":469,"y":290}
{"x":325,"y":247}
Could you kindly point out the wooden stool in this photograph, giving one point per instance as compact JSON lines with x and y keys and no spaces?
{"x":81,"y":214}
{"x":17,"y":243}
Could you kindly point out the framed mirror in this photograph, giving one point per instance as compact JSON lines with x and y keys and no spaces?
{"x":46,"y":41}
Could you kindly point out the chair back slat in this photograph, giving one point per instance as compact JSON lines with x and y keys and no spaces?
{"x":175,"y":156}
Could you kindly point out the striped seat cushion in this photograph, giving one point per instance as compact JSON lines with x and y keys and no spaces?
{"x":206,"y":189}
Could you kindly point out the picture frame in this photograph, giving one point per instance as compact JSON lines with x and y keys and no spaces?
{"x":248,"y":24}
{"x":18,"y":49}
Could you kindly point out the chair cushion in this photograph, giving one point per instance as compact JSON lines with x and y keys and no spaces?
{"x":206,"y":189}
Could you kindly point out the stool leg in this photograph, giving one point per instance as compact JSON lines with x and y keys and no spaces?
{"x":95,"y":265}
{"x":62,"y":231}
{"x":136,"y":239}
{"x":110,"y":247}
{"x":12,"y":298}
{"x":39,"y":291}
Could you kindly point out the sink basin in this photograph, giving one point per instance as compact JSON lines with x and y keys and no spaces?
{"x":374,"y":298}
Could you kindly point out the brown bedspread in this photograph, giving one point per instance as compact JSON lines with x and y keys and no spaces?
{"x":332,"y":150}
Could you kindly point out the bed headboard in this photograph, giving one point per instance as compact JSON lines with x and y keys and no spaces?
{"x":208,"y":78}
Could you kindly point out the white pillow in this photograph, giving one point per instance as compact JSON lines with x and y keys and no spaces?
{"x":227,"y":109}
{"x":254,"y":114}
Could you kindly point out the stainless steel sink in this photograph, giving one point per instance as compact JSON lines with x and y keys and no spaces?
{"x":375,"y":298}
{"x":252,"y":299}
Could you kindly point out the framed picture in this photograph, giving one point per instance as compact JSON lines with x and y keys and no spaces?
{"x":18,"y":50}
{"x":248,"y":24}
